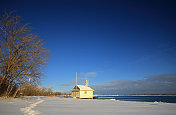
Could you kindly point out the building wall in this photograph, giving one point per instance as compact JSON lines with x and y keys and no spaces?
{"x":86,"y":94}
{"x":75,"y":94}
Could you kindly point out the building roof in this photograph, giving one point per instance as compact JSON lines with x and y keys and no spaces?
{"x":83,"y":87}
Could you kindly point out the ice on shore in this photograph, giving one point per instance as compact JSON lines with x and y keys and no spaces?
{"x":69,"y":106}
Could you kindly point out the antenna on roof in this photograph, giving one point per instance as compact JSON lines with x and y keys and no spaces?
{"x":76,"y":78}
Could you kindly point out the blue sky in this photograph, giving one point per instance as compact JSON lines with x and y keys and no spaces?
{"x":102,"y":40}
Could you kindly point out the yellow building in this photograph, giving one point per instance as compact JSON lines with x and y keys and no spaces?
{"x":82,"y":91}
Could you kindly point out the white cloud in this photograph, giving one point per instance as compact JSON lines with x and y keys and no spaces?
{"x":69,"y":83}
{"x":161,"y":84}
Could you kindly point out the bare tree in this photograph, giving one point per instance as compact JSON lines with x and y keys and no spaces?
{"x":22,"y":55}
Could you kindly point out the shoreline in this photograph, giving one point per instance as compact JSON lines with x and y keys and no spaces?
{"x":135,"y":95}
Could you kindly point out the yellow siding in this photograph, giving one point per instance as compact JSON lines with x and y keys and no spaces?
{"x":86,"y":94}
{"x":81,"y":91}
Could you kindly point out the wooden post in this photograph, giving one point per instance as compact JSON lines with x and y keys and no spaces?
{"x":29,"y":81}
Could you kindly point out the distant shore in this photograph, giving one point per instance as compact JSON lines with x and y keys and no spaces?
{"x":141,"y":95}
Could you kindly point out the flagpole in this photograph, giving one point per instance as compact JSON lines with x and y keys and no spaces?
{"x":76,"y":80}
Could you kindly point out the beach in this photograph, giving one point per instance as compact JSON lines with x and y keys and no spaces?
{"x":70,"y":106}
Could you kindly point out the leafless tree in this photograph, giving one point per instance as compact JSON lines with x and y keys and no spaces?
{"x":22,"y":55}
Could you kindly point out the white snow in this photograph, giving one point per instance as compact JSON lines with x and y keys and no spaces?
{"x":28,"y":110}
{"x":83,"y":87}
{"x":70,"y":106}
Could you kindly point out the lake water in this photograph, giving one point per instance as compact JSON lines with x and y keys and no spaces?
{"x":166,"y":99}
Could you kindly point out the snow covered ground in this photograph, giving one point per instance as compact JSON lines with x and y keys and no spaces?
{"x":69,"y":106}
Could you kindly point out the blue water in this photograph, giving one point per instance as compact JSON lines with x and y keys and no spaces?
{"x":166,"y":99}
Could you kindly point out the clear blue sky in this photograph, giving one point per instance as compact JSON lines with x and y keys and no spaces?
{"x":102,"y":40}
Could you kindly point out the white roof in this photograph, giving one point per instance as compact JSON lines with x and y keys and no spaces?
{"x":83,"y":87}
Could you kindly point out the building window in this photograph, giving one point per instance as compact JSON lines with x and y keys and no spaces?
{"x":85,"y":92}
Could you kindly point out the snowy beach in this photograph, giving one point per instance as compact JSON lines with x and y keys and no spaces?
{"x":70,"y":106}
